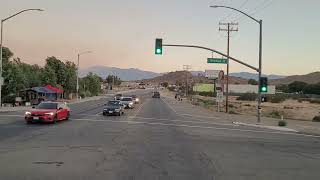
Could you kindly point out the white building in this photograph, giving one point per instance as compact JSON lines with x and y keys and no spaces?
{"x":248,"y":88}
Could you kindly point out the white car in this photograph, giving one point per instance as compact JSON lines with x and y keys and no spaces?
{"x":127,"y":102}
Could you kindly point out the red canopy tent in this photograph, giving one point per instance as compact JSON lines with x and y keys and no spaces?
{"x":56,"y":90}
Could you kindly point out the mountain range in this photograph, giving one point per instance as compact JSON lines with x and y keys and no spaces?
{"x":124,"y":74}
{"x":137,"y":74}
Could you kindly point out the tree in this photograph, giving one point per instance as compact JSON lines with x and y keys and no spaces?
{"x":312,"y":89}
{"x":111,"y":79}
{"x":90,"y":85}
{"x":70,"y":77}
{"x":58,"y":68}
{"x":253,"y":82}
{"x":297,"y":86}
{"x":48,"y":76}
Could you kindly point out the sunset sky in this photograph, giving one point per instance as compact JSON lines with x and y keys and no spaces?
{"x":121,"y":33}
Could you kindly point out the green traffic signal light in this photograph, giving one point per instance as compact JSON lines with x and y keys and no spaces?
{"x":158,"y":49}
{"x":263,"y":84}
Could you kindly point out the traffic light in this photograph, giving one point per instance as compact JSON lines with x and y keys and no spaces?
{"x":263,"y":84}
{"x":158,"y":49}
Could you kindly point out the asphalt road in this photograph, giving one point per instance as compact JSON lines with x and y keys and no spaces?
{"x":149,"y":142}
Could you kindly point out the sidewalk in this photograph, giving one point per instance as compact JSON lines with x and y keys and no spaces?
{"x":185,"y":108}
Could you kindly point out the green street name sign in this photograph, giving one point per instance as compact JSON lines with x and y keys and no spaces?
{"x":217,"y":60}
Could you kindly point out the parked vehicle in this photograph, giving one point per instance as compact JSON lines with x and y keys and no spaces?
{"x":156,"y":94}
{"x":48,"y":112}
{"x":127,"y":102}
{"x":113,"y":108}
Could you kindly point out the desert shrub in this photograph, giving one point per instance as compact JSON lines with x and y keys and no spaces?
{"x":277,"y":98}
{"x":208,"y":94}
{"x":171,"y":88}
{"x":287,"y":107}
{"x":282,"y":123}
{"x":316,"y":101}
{"x":300,"y":100}
{"x":247,"y":105}
{"x":231,"y":105}
{"x":275,"y":114}
{"x":247,"y":97}
{"x":233,"y":112}
{"x":316,"y":119}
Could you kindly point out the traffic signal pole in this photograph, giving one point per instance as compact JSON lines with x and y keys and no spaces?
{"x":215,"y":51}
{"x":260,"y":70}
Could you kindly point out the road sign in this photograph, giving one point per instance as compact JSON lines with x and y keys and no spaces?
{"x":212,"y":74}
{"x":217,"y":61}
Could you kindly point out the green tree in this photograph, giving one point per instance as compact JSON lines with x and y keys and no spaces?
{"x":70,"y":77}
{"x":48,"y":76}
{"x":90,"y":85}
{"x":312,"y":89}
{"x":253,"y":82}
{"x":113,"y":79}
{"x":297,"y":86}
{"x":58,"y":68}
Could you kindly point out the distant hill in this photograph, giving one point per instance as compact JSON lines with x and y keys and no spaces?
{"x":244,"y":75}
{"x":311,"y":78}
{"x":173,"y":77}
{"x":124,"y":74}
{"x":247,"y":75}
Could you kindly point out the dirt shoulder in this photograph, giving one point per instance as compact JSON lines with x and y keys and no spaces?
{"x":297,"y":115}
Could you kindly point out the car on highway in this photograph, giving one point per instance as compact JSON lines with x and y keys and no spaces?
{"x":48,"y":112}
{"x":118,"y":97}
{"x":135,"y":99}
{"x":113,"y":107}
{"x":156,"y":94}
{"x":127,"y":102}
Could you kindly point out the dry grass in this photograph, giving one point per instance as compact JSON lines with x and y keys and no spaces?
{"x":290,"y":109}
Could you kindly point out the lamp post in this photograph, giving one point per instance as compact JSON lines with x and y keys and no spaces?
{"x":260,"y":53}
{"x":1,"y":45}
{"x":86,"y":52}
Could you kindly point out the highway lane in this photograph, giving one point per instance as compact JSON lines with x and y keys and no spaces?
{"x":151,"y":141}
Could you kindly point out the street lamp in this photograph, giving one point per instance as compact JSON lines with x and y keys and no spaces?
{"x":260,"y":53}
{"x":1,"y":45}
{"x":86,"y":52}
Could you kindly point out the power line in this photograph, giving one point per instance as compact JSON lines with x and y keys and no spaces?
{"x":231,"y":13}
{"x":257,"y":9}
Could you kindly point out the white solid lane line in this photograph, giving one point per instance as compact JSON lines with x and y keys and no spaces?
{"x":199,"y":127}
{"x":187,"y":121}
{"x":10,"y":115}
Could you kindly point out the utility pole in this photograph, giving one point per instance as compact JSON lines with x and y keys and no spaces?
{"x":230,"y":28}
{"x":187,"y":68}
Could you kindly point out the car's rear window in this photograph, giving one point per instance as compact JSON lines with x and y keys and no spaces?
{"x":113,"y":103}
{"x":47,"y":106}
{"x":126,"y":99}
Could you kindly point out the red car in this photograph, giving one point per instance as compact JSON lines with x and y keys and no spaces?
{"x":48,"y":112}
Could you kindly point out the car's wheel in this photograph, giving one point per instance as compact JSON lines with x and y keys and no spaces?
{"x":55,"y":120}
{"x":119,"y":114}
{"x":68,"y":116}
{"x":104,"y":114}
